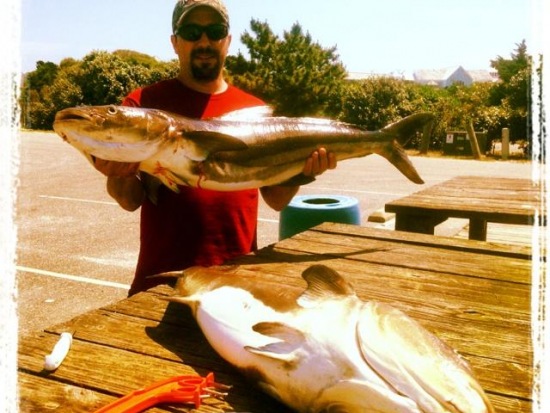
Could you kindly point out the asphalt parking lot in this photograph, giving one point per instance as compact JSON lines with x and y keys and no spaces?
{"x":77,"y":249}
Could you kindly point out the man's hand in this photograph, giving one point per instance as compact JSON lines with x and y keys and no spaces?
{"x":319,"y":162}
{"x":123,"y":183}
{"x":277,"y":197}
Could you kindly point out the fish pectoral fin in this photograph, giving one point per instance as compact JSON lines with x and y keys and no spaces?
{"x":169,"y":180}
{"x":415,"y":362}
{"x":207,"y":142}
{"x":298,"y":180}
{"x":273,"y":351}
{"x":288,"y":338}
{"x":88,"y":156}
{"x":164,"y":175}
{"x":151,"y":186}
{"x":323,"y":283}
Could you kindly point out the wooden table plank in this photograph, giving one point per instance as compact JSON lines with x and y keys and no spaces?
{"x":446,"y":243}
{"x":401,"y":255}
{"x":474,"y":295}
{"x":479,"y":199}
{"x":117,"y":370}
{"x":489,"y":208}
{"x":40,"y":394}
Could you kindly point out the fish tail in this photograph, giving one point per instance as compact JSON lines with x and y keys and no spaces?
{"x":399,"y":158}
{"x":402,"y":131}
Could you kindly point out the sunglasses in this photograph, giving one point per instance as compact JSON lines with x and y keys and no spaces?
{"x":193,"y":32}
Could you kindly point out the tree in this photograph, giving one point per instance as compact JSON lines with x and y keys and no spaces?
{"x":99,"y":78}
{"x":44,"y":75}
{"x":35,"y":85}
{"x":106,"y":78}
{"x":295,"y":74}
{"x":376,"y":102}
{"x":508,"y":68}
{"x":513,"y":93}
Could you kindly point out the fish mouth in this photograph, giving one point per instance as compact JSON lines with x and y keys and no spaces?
{"x":77,"y":119}
{"x":70,"y":114}
{"x":82,"y":117}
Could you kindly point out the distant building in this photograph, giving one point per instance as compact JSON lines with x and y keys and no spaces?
{"x":372,"y":75}
{"x":447,"y":77}
{"x":435,"y":77}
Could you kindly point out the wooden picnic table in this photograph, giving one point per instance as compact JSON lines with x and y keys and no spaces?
{"x":474,"y":295}
{"x":479,"y":199}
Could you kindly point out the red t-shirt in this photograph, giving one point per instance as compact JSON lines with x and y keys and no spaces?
{"x":196,"y":226}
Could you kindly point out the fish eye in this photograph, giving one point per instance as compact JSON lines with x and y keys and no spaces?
{"x":112,"y":110}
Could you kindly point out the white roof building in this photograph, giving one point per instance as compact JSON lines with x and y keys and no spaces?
{"x":435,"y":77}
{"x":446,"y":77}
{"x":372,"y":75}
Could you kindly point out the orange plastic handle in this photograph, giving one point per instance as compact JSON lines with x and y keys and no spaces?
{"x":179,"y":389}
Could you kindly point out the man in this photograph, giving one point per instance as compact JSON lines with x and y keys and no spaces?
{"x":196,"y":226}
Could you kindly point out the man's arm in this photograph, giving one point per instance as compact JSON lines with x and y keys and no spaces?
{"x":278,"y":197}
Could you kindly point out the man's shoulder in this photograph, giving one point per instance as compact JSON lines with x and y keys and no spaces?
{"x":166,"y":86}
{"x":240,"y":99}
{"x":154,"y":91}
{"x":240,"y":93}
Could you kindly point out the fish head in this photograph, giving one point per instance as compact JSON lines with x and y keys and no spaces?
{"x":116,"y":133}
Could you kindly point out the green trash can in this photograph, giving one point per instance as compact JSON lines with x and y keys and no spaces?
{"x":306,"y":211}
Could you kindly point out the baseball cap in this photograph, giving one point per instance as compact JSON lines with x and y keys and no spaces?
{"x":183,"y":7}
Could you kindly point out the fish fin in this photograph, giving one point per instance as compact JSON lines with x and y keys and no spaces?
{"x":323,"y":283}
{"x":178,"y":299}
{"x":402,"y":131}
{"x":151,"y":185}
{"x":255,"y":112}
{"x":169,"y":180}
{"x":163,"y":174}
{"x":415,"y":362}
{"x":399,"y":158}
{"x":88,"y":156}
{"x":207,"y":142}
{"x":298,"y":180}
{"x":289,"y":339}
{"x":169,"y":274}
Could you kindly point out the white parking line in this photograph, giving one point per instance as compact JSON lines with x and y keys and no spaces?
{"x":89,"y":201}
{"x":73,"y":277}
{"x":358,"y":191}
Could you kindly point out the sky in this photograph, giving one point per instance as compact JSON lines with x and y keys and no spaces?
{"x":371,"y":36}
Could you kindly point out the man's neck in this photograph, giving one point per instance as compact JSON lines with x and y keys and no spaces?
{"x":211,"y":87}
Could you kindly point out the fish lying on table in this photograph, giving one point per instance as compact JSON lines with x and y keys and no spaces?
{"x":241,"y":150}
{"x":324,"y":349}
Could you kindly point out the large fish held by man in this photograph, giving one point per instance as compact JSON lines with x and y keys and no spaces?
{"x":323,"y":349}
{"x":244,"y":149}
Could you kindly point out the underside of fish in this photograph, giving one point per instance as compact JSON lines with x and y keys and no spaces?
{"x":241,"y":150}
{"x":323,"y":349}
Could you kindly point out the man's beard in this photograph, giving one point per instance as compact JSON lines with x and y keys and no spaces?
{"x":206,"y":71}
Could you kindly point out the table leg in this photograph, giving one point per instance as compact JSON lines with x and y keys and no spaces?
{"x":422,"y":224}
{"x":478,"y":229}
